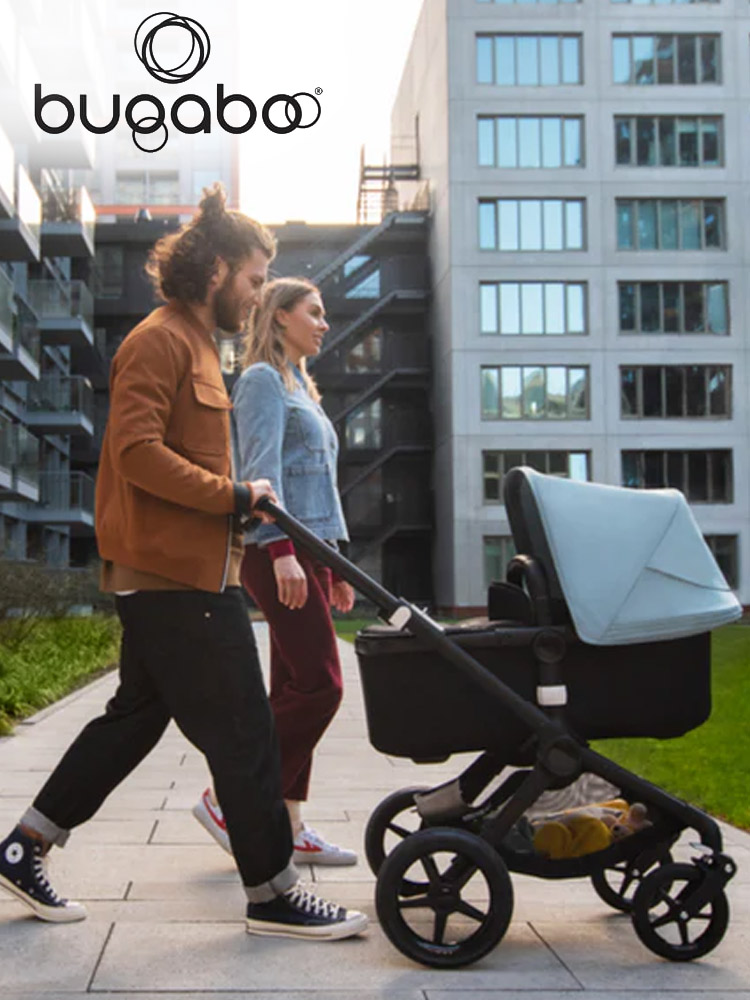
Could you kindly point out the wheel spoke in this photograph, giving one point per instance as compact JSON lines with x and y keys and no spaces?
{"x":470,"y":911}
{"x":626,"y":883}
{"x":668,"y":918}
{"x":441,"y":921}
{"x":431,"y":869}
{"x":684,"y":936}
{"x":420,"y":903}
{"x":400,"y":831}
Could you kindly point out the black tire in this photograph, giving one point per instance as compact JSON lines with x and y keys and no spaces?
{"x":456,"y":931}
{"x":616,"y":886}
{"x":663,"y":925}
{"x":392,"y":821}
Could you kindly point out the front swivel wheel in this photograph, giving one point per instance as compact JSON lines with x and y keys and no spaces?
{"x":444,"y":897}
{"x":670,"y":920}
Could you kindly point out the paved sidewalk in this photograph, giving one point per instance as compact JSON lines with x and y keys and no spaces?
{"x":166,"y":907}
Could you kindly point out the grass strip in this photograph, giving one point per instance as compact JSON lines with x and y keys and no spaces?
{"x":59,"y":656}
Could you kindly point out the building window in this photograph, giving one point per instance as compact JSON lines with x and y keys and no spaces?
{"x":533,"y":1}
{"x":565,"y":464}
{"x":670,"y":224}
{"x":513,"y":141}
{"x":674,"y":307}
{"x":703,"y":476}
{"x":529,"y":60}
{"x":535,"y":392}
{"x":532,"y":307}
{"x":498,"y":552}
{"x":669,"y":141}
{"x":531,"y":224}
{"x":660,"y":59}
{"x":657,"y":1}
{"x":724,"y":549}
{"x":364,"y":428}
{"x":147,"y":187}
{"x":366,"y":356}
{"x":659,"y":391}
{"x":109,"y":271}
{"x":368,"y":288}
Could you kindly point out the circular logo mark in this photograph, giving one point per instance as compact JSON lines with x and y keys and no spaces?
{"x":294,"y":112}
{"x":175,"y":28}
{"x":14,"y":853}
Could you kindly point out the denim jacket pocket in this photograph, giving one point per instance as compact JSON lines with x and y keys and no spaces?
{"x":309,"y":430}
{"x":309,"y":491}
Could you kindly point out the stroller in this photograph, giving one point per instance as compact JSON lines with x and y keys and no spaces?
{"x":602,"y":629}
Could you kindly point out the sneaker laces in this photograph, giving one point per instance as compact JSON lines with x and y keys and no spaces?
{"x":306,"y":900}
{"x":40,"y":875}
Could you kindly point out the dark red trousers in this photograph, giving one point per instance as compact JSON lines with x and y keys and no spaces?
{"x":306,"y":684}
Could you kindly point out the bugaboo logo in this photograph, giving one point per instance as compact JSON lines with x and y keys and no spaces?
{"x":194,"y":61}
{"x":282,"y":113}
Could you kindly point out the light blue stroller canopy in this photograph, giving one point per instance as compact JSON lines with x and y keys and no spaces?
{"x":632,"y":564}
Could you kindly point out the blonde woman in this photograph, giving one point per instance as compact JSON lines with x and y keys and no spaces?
{"x":285,"y":436}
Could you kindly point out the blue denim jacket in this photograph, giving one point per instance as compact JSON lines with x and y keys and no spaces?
{"x":286,"y":437}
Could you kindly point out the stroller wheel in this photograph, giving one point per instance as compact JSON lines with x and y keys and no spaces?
{"x":662,"y":918}
{"x":391,"y":822}
{"x":465,"y":903}
{"x":616,"y":886}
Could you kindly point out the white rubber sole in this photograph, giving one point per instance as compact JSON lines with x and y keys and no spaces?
{"x":203,"y":816}
{"x":52,"y":914}
{"x":329,"y":860}
{"x":331,"y":932}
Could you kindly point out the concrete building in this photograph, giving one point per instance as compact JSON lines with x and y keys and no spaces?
{"x":589,"y":173}
{"x":48,"y":347}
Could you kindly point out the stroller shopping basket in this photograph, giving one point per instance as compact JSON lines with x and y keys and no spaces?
{"x":420,"y":706}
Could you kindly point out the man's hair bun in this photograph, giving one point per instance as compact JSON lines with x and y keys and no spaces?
{"x":212,"y":208}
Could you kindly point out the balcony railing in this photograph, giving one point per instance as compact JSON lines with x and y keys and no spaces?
{"x":29,"y":204}
{"x":67,"y":491}
{"x":7,"y":175}
{"x":62,"y":394}
{"x":26,"y":329}
{"x":62,"y":300}
{"x":7,"y":319}
{"x":19,"y":461}
{"x":69,"y":217}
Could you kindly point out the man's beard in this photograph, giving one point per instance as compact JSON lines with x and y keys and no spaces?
{"x":228,"y":311}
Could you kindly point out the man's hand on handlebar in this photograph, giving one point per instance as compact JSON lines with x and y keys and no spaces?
{"x":262,"y":489}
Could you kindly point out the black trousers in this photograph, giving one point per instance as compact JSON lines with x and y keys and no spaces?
{"x":190,"y":656}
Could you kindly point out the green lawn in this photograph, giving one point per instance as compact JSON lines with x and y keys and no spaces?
{"x":57,"y":657}
{"x":710,"y":766}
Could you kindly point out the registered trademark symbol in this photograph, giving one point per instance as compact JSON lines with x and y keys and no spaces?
{"x":318,"y":91}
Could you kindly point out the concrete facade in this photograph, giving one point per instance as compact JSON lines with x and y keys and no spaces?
{"x":440,"y":94}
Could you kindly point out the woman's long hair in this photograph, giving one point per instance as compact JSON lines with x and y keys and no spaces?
{"x":265,"y":339}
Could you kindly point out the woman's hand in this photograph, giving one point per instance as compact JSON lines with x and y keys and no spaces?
{"x":342,"y":596}
{"x":291,"y":582}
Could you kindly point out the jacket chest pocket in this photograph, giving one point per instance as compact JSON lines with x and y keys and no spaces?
{"x":309,"y":429}
{"x":206,"y":429}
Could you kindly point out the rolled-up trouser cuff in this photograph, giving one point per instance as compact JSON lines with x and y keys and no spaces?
{"x":267,"y":891}
{"x":39,"y":823}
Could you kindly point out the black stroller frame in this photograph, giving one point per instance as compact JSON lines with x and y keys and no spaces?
{"x":679,"y":910}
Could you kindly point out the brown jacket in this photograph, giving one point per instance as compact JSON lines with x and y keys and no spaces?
{"x":164,"y":496}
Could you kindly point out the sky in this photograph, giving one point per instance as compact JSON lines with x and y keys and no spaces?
{"x":354,"y":51}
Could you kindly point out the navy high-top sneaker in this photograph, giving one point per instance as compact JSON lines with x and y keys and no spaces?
{"x":22,"y":872}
